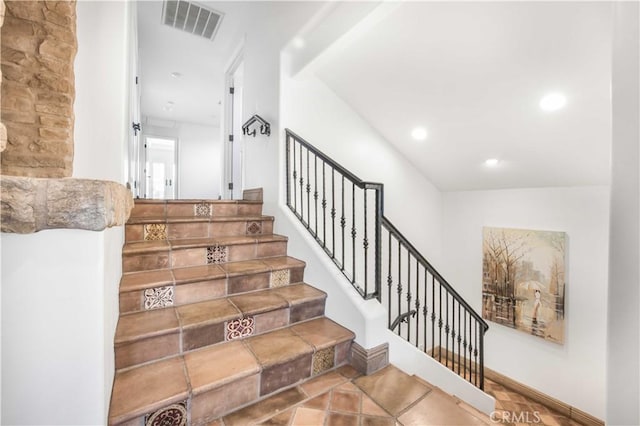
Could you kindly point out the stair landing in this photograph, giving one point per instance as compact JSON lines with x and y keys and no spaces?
{"x":344,"y":397}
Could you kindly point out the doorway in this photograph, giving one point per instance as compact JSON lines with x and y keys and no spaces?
{"x":160,"y":167}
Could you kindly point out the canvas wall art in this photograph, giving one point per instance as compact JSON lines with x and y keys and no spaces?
{"x":524,"y":280}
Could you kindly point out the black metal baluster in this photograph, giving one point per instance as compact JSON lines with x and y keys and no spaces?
{"x":453,"y":333}
{"x":389,"y":281}
{"x":409,"y":295}
{"x":301,"y":190}
{"x":308,"y":187}
{"x":295,"y":182}
{"x":446,"y":328}
{"x":315,"y":190}
{"x":353,"y":233}
{"x":470,"y":352}
{"x":425,"y":309}
{"x":475,"y":351}
{"x":440,"y":322}
{"x":433,"y":316}
{"x":343,"y":223}
{"x":482,"y":359}
{"x":287,"y":170}
{"x":324,"y":207}
{"x":464,"y":346}
{"x":378,"y":236}
{"x":333,"y":213}
{"x":399,"y":284}
{"x":365,"y":245}
{"x":417,"y":303}
{"x":459,"y":339}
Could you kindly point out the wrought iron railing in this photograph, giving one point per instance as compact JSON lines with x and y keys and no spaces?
{"x":345,"y":215}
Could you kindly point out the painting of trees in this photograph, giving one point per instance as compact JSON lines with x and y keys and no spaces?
{"x":523,"y":285}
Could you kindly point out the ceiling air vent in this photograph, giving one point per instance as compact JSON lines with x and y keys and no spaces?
{"x":192,"y":18}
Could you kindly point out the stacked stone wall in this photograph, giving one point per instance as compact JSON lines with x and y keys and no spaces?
{"x":38,"y":50}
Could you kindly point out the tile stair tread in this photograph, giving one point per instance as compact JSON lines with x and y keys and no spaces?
{"x":143,"y":389}
{"x":137,"y":220}
{"x":147,"y":388}
{"x":145,"y":324}
{"x":235,"y":356}
{"x":141,"y":247}
{"x":210,"y":311}
{"x":278,"y":346}
{"x":224,"y":241}
{"x":134,"y":281}
{"x":322,"y":332}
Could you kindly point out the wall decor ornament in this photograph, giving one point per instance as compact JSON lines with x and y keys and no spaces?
{"x":524,"y":280}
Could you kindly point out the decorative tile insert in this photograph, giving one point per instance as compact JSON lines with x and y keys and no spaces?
{"x":173,"y":415}
{"x":216,"y":254}
{"x":254,"y":227}
{"x":323,"y":360}
{"x":239,"y":328}
{"x":159,"y":297}
{"x":280,"y":278}
{"x":202,"y":209}
{"x":155,"y":231}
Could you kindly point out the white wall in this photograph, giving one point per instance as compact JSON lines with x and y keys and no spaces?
{"x":200,"y":155}
{"x":560,"y":371}
{"x":199,"y":158}
{"x":412,"y":203}
{"x":624,"y":277}
{"x":59,"y":305}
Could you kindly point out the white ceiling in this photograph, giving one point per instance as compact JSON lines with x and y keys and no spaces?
{"x":197,"y":95}
{"x":473,"y":75}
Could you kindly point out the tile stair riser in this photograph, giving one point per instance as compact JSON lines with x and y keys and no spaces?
{"x":189,"y":208}
{"x":199,"y":291}
{"x":185,"y":257}
{"x":198,"y":228}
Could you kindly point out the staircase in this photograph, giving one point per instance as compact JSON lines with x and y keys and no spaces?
{"x":214,"y":315}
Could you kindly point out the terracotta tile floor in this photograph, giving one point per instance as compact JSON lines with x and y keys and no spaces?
{"x":509,"y":403}
{"x":388,"y":397}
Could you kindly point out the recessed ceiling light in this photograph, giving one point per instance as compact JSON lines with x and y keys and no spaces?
{"x":298,"y":42}
{"x":176,"y":74}
{"x":419,"y":133}
{"x":492,"y":162}
{"x":553,"y":102}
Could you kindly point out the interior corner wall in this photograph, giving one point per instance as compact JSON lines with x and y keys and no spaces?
{"x":575,"y":372}
{"x":199,"y":156}
{"x":623,"y":390}
{"x":314,"y":112}
{"x":60,"y":304}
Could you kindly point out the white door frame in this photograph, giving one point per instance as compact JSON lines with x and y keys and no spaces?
{"x":227,"y":168}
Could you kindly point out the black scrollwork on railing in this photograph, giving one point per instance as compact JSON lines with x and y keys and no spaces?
{"x":350,"y":226}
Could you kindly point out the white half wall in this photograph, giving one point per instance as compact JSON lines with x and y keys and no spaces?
{"x":583,"y":213}
{"x":60,"y":287}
